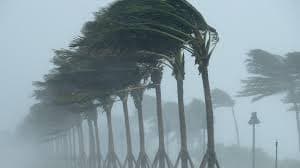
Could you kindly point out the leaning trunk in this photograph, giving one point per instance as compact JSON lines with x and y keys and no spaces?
{"x":182,"y":123}
{"x":127,"y":126}
{"x":210,"y":119}
{"x":236,"y":127}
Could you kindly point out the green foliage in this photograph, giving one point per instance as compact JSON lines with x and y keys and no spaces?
{"x":119,"y":49}
{"x":46,"y":121}
{"x":221,"y":99}
{"x":271,"y":74}
{"x":196,"y":116}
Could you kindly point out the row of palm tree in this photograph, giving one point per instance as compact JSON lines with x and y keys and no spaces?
{"x":123,"y":51}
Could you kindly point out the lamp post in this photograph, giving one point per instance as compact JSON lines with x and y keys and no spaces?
{"x":253,"y":121}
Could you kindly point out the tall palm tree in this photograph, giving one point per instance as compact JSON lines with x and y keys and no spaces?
{"x":111,"y":160}
{"x":91,"y":114}
{"x":177,"y":23}
{"x":161,"y":158}
{"x":130,"y":161}
{"x":272,"y":74}
{"x":98,"y":147}
{"x":143,"y":159}
{"x":223,"y":99}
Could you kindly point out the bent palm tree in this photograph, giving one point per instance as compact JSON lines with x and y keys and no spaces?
{"x":178,"y":24}
{"x":223,"y":99}
{"x":196,"y":118}
{"x":272,"y":74}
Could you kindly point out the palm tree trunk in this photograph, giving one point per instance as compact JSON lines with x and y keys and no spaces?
{"x":203,"y":140}
{"x":124,"y":99}
{"x":56,"y":147}
{"x":167,"y":132}
{"x":74,"y":154}
{"x":161,"y":155}
{"x":112,"y":160}
{"x":160,"y":123}
{"x":91,"y":144}
{"x":82,"y":155}
{"x":66,"y":150}
{"x":210,"y":119}
{"x":236,"y":126}
{"x":98,"y":149}
{"x":127,"y":124}
{"x":80,"y":139}
{"x":141,"y":127}
{"x":182,"y":122}
{"x":70,"y":148}
{"x":156,"y":78}
{"x":110,"y":132}
{"x":59,"y":145}
{"x":298,"y":122}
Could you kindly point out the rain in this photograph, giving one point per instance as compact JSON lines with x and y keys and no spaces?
{"x":150,"y":83}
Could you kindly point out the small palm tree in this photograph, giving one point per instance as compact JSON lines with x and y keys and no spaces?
{"x":196,"y":117}
{"x":222,"y":99}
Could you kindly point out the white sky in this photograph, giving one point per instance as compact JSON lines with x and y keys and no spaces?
{"x":29,"y":30}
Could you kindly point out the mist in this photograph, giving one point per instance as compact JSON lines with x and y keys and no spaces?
{"x":31,"y":30}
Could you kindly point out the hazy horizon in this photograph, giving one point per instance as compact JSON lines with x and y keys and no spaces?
{"x":30,"y":30}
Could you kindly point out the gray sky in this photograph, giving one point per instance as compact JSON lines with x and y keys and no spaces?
{"x":29,"y":30}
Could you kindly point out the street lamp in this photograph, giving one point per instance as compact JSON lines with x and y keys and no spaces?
{"x":253,"y":121}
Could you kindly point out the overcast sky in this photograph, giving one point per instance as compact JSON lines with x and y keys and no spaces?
{"x":30,"y":30}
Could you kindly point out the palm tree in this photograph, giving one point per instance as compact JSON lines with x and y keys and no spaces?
{"x":98,"y":149}
{"x":161,"y":158}
{"x":202,"y":46}
{"x":111,"y":160}
{"x":187,"y":26}
{"x":49,"y":122}
{"x":196,"y":116}
{"x":179,"y":25}
{"x":91,"y":115}
{"x":223,"y":99}
{"x":272,"y":74}
{"x":129,"y":160}
{"x":137,"y":95}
